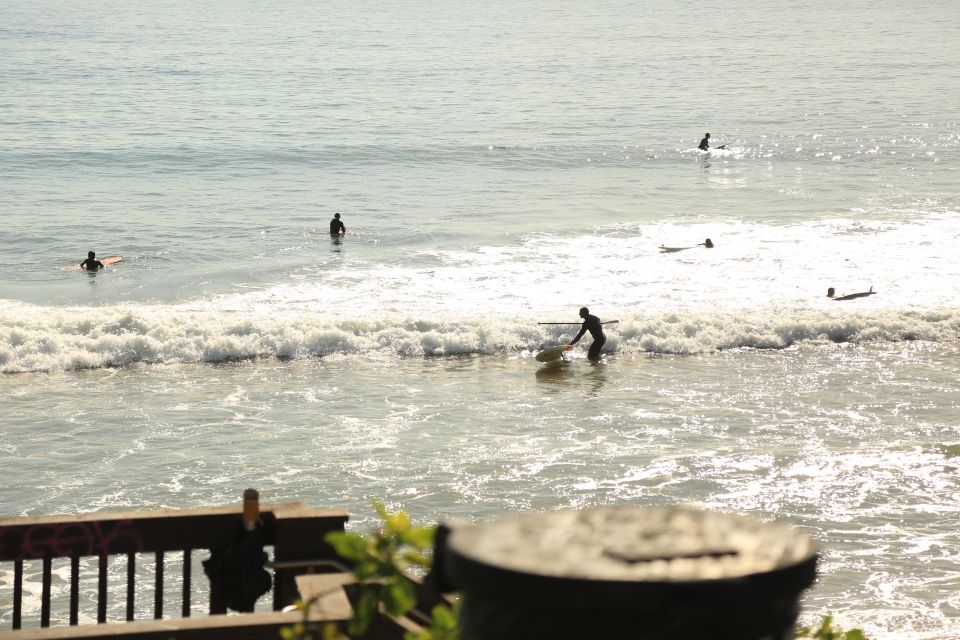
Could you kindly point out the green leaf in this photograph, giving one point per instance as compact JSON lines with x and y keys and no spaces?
{"x":381,"y":510}
{"x":364,"y":612}
{"x":350,"y":546}
{"x":416,"y":559}
{"x":443,"y":617}
{"x":366,"y":569}
{"x":420,"y":537}
{"x":399,"y":596}
{"x":397,"y":523}
{"x":855,"y":634}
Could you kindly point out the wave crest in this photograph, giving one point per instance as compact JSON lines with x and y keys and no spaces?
{"x":37,"y":339}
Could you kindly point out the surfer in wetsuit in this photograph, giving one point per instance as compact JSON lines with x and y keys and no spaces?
{"x":336,"y":226}
{"x":91,"y":263}
{"x":851,"y":296}
{"x":591,"y":324}
{"x":708,"y":244}
{"x":705,"y":143}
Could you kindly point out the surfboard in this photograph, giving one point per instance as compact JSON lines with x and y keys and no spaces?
{"x":673,"y":249}
{"x":854,"y":296}
{"x":105,"y":261}
{"x":551,"y":354}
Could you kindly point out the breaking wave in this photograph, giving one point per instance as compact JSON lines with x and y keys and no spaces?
{"x":41,"y":339}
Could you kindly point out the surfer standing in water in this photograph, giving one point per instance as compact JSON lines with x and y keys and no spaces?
{"x":91,"y":263}
{"x":593,"y":325}
{"x":336,"y":226}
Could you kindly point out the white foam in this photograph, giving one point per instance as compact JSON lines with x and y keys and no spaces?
{"x":762,"y":286}
{"x":46,"y":339}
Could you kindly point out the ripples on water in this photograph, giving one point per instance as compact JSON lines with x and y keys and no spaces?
{"x":855,"y":443}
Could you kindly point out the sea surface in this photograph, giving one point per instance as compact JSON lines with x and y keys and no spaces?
{"x":497,"y":165}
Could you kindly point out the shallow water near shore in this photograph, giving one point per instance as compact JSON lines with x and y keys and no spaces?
{"x":838,"y":439}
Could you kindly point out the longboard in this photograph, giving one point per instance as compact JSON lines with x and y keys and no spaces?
{"x":105,"y":261}
{"x":551,"y":354}
{"x":673,"y":249}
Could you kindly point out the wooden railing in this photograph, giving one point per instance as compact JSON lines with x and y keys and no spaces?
{"x":294,"y":530}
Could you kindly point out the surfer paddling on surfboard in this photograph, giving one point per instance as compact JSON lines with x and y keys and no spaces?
{"x":336,"y":226}
{"x":593,"y":325}
{"x":91,"y":263}
{"x":705,"y":144}
{"x":851,"y":296}
{"x":708,"y":244}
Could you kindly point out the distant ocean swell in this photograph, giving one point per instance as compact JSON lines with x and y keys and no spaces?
{"x":41,"y":339}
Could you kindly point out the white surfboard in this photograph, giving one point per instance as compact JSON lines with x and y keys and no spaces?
{"x":553,"y":353}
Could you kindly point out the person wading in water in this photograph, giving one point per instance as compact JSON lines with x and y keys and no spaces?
{"x":591,"y":324}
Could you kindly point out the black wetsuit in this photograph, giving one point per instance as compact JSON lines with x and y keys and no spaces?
{"x":336,"y":226}
{"x":592,"y":324}
{"x":704,"y":144}
{"x":91,"y":264}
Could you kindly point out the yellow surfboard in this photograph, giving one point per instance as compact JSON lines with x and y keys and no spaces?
{"x":553,"y":353}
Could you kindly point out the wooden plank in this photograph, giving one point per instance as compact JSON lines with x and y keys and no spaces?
{"x":324,"y":592}
{"x":17,"y":593}
{"x":45,"y":594}
{"x":74,"y":589}
{"x":139,"y":531}
{"x":158,"y":587}
{"x":131,"y":584}
{"x":102,"y":589}
{"x":244,"y":626}
{"x":187,"y":577}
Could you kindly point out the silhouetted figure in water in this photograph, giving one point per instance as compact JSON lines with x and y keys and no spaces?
{"x":708,"y":243}
{"x":591,"y":324}
{"x":705,"y":144}
{"x":336,"y":226}
{"x":91,"y":263}
{"x":851,"y":296}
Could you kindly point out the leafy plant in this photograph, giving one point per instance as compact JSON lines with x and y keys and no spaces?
{"x":826,"y":631}
{"x":381,"y":561}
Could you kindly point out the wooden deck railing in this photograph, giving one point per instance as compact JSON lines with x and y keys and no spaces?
{"x":294,"y":530}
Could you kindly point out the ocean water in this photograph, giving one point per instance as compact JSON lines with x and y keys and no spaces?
{"x":497,"y":165}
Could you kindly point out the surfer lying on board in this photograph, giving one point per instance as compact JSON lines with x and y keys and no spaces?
{"x":851,"y":296}
{"x":91,"y":263}
{"x":708,"y":244}
{"x":705,"y":144}
{"x":336,"y":226}
{"x":593,"y":325}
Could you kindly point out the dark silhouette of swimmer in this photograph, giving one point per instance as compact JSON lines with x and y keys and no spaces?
{"x":336,"y":226}
{"x":708,"y":243}
{"x":705,"y":144}
{"x":851,"y":296}
{"x":591,"y":324}
{"x":91,"y":263}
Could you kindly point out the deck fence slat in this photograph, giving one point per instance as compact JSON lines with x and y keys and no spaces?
{"x":74,"y":589}
{"x":45,"y":594}
{"x":17,"y":592}
{"x":158,"y":589}
{"x":131,"y":583}
{"x":102,"y":589}
{"x":187,"y":576}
